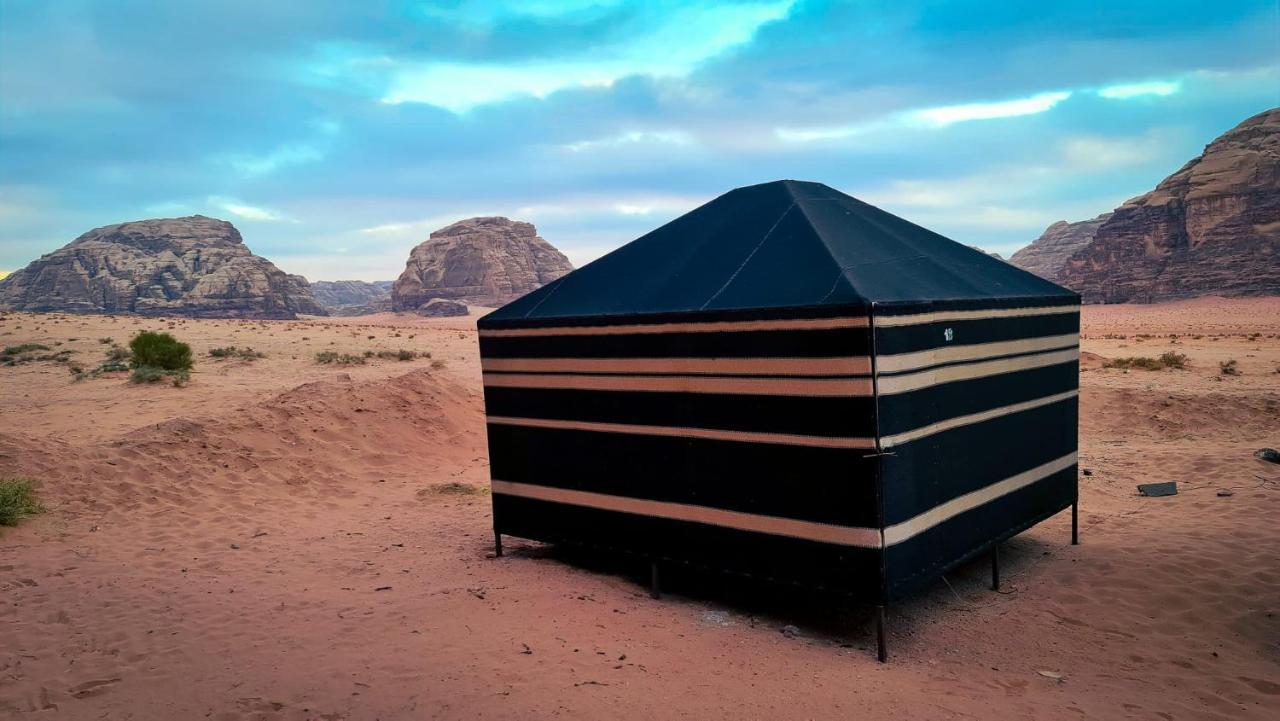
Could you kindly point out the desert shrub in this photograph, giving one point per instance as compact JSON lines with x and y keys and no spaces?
{"x":1166,"y":360}
{"x":452,"y":488}
{"x":17,"y":501}
{"x":28,"y":353}
{"x":118,"y":354}
{"x":159,"y":351}
{"x":400,"y":355}
{"x":106,"y":341}
{"x":151,"y":374}
{"x":246,"y":353}
{"x":1229,"y":368}
{"x":336,"y":358}
{"x":23,"y":348}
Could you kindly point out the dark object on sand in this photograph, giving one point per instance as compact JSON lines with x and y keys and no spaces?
{"x":1270,"y":455}
{"x":1226,"y":492}
{"x":1167,"y":488}
{"x":791,"y":384}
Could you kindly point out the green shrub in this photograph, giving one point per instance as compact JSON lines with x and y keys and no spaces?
{"x":246,"y":353}
{"x":159,"y":350}
{"x":17,"y":501}
{"x":1166,"y":360}
{"x":336,"y":358}
{"x":400,"y":355}
{"x":24,"y":348}
{"x":151,"y":374}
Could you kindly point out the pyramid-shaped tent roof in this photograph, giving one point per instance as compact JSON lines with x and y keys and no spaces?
{"x":784,"y":244}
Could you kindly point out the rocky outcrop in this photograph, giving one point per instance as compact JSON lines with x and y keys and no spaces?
{"x":1213,"y":227}
{"x":441,"y":308}
{"x":301,"y":298}
{"x":353,"y":297}
{"x":194,"y":266}
{"x":482,"y":261}
{"x":1049,"y":253}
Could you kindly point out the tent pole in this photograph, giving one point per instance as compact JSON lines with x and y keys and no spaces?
{"x":497,"y":544}
{"x":882,"y":649}
{"x":995,"y":567}
{"x":1075,"y":522}
{"x":655,"y":590}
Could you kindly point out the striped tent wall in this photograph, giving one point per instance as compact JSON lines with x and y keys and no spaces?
{"x":863,"y":450}
{"x":738,"y":441}
{"x":977,"y":411}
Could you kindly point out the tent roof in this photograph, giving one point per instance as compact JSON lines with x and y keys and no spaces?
{"x":782,"y":244}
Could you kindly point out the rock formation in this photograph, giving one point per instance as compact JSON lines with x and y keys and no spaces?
{"x":353,"y":297}
{"x":1049,"y":253}
{"x":194,"y":266}
{"x":1213,"y":227}
{"x":482,"y":261}
{"x":441,"y":308}
{"x":301,"y":298}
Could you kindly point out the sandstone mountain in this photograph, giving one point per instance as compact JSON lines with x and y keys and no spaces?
{"x":1049,"y":253}
{"x":194,"y":266}
{"x":353,"y":297}
{"x":482,"y":261}
{"x":1213,"y":227}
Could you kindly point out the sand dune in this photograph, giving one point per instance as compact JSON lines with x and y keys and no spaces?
{"x":288,"y":540}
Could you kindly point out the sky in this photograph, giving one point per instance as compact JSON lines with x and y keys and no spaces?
{"x":337,"y":135}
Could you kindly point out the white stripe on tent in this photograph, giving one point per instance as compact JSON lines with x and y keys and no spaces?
{"x":681,"y":432}
{"x":907,"y":529}
{"x":889,"y":321}
{"x":889,"y":385}
{"x":747,"y":385}
{"x":975,"y":351}
{"x":702,"y":327}
{"x":773,"y":525}
{"x":732,"y":385}
{"x":808,"y":530}
{"x":855,"y":365}
{"x":898,"y":439}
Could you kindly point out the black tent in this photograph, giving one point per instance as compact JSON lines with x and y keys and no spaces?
{"x":789,"y":383}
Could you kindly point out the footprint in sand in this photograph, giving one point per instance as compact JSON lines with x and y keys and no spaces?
{"x":92,"y":688}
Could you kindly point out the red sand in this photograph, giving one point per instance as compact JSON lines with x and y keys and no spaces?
{"x":273,"y":542}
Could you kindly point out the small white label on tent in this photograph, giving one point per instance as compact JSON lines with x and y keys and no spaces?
{"x":948,"y":334}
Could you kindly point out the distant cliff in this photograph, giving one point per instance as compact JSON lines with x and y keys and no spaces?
{"x":1048,"y":254}
{"x":1213,"y":227}
{"x":353,"y":297}
{"x":481,"y":261}
{"x":193,"y":266}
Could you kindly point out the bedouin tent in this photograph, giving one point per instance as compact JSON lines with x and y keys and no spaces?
{"x":789,"y":383}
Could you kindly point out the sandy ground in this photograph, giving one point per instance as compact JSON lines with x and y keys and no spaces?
{"x":280,"y":540}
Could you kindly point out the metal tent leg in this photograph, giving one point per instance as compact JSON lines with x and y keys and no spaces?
{"x":882,"y":648}
{"x":995,"y":567}
{"x":1075,"y":522}
{"x":655,"y":591}
{"x":497,"y":544}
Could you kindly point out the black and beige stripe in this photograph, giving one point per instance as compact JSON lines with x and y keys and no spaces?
{"x":838,"y":431}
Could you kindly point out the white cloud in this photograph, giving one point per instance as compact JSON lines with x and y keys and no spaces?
{"x":927,"y":118}
{"x":639,"y":137}
{"x":1125,"y":91}
{"x":947,"y":115}
{"x":248,"y":212}
{"x":687,"y":37}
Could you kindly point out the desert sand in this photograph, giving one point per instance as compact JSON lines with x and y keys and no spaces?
{"x":282,"y":539}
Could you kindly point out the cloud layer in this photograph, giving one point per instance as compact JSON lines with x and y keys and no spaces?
{"x":336,"y":135}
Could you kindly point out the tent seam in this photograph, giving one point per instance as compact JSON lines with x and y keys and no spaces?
{"x":750,"y":255}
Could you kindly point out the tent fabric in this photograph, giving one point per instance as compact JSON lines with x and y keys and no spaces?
{"x":786,"y":244}
{"x":789,"y":383}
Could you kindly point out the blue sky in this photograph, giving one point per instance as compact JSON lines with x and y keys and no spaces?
{"x":336,"y":135}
